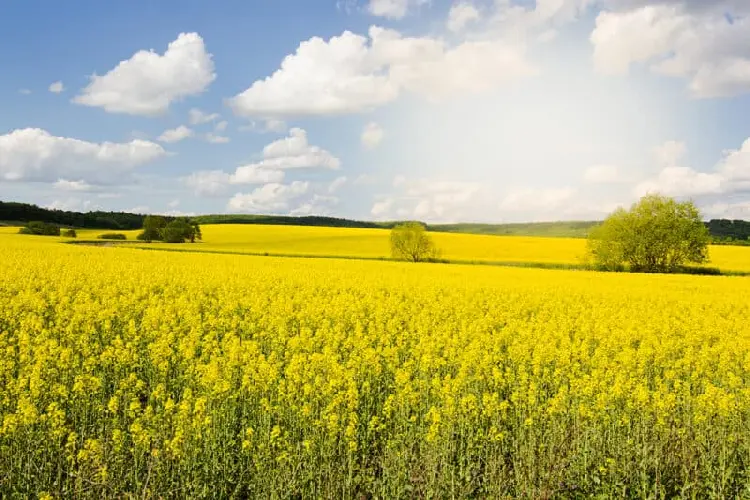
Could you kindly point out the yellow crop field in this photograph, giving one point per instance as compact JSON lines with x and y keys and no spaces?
{"x":127,"y":373}
{"x":374,"y":243}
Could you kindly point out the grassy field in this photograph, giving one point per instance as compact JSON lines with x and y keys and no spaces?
{"x":154,"y":374}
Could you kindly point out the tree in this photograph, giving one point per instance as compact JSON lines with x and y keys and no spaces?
{"x":70,"y":233}
{"x":40,"y":229}
{"x":410,"y":242}
{"x":657,"y":234}
{"x":153,"y":225}
{"x":180,"y":230}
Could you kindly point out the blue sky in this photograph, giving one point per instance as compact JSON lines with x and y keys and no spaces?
{"x":486,"y":110}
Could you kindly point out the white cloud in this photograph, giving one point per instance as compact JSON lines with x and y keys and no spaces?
{"x":601,"y":174}
{"x":173,"y":204}
{"x":432,"y":200}
{"x":383,"y":207}
{"x":269,"y":198}
{"x":317,"y":205}
{"x":730,"y":175}
{"x":336,"y":184}
{"x":460,"y":15}
{"x":208,"y":182}
{"x":35,"y":155}
{"x":254,"y":174}
{"x":221,"y":126}
{"x":393,"y":9}
{"x":216,"y":139}
{"x":57,"y":87}
{"x":352,"y":73}
{"x":372,"y":135}
{"x":66,"y":185}
{"x":176,"y":134}
{"x":692,"y":40}
{"x":72,"y":205}
{"x":294,"y":152}
{"x":198,"y":117}
{"x":533,"y":200}
{"x":148,"y":83}
{"x":24,"y":92}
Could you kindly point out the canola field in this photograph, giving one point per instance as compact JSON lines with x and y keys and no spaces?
{"x":128,"y":373}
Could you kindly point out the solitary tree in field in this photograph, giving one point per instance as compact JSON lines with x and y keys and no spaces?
{"x":410,"y":241}
{"x":657,"y":234}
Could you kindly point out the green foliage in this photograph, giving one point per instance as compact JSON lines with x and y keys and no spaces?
{"x":410,"y":242}
{"x":24,"y":212}
{"x":112,"y":236}
{"x":70,"y":233}
{"x":153,"y":225}
{"x":657,"y":234}
{"x":40,"y":229}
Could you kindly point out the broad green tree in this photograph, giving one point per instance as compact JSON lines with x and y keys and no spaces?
{"x":410,"y":242}
{"x":153,"y":226}
{"x":657,"y":234}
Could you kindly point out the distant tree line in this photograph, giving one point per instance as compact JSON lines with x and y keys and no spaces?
{"x":24,"y":212}
{"x":734,"y":232}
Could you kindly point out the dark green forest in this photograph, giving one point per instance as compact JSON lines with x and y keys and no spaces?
{"x":723,"y":231}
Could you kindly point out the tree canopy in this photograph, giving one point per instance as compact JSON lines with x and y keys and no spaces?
{"x":410,"y":242}
{"x":657,"y":234}
{"x":156,"y":228}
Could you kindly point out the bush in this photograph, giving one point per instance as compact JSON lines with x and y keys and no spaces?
{"x":112,"y":236}
{"x":70,"y":233}
{"x":40,"y":229}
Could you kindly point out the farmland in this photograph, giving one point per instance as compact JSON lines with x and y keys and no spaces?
{"x":189,"y":374}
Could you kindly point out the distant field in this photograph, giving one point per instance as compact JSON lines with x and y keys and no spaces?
{"x":375,"y":243}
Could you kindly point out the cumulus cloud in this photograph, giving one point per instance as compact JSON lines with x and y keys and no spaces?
{"x":148,"y":83}
{"x":730,"y":175}
{"x":372,"y":135}
{"x":460,"y":15}
{"x":337,"y":184}
{"x":269,"y":198}
{"x":352,"y":73}
{"x":393,"y":9}
{"x":430,"y":199}
{"x":294,"y":152}
{"x":176,"y":134}
{"x":688,"y":39}
{"x":198,"y":117}
{"x":216,"y":139}
{"x":56,"y":88}
{"x":34,"y":154}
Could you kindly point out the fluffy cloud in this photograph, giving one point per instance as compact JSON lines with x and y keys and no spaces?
{"x":216,"y":139}
{"x":36,"y":155}
{"x":57,"y":87}
{"x":429,"y":199}
{"x":198,"y":117}
{"x":254,"y":174}
{"x":372,"y":135}
{"x":295,"y":152}
{"x":269,"y":198}
{"x":534,"y":200}
{"x":689,"y":39}
{"x":176,"y":134}
{"x":337,"y":184}
{"x":393,"y":9}
{"x":351,"y":73}
{"x":730,"y":175}
{"x":460,"y":15}
{"x":317,"y":205}
{"x":292,"y":152}
{"x":221,"y":126}
{"x":147,"y":83}
{"x":208,"y":182}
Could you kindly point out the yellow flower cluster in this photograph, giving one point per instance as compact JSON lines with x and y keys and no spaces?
{"x":130,"y":372}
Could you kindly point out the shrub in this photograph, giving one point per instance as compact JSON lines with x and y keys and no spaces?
{"x":112,"y":236}
{"x":70,"y":233}
{"x":40,"y":229}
